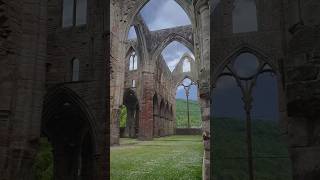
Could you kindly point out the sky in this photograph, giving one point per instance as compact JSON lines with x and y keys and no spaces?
{"x":193,"y":92}
{"x":132,"y":33}
{"x":173,"y":53}
{"x":180,"y":94}
{"x":162,"y":14}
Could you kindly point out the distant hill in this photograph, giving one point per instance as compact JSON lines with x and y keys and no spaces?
{"x":181,"y":113}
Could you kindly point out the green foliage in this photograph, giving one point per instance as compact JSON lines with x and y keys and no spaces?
{"x":43,"y":166}
{"x":174,"y":157}
{"x":182,"y":117}
{"x":123,"y":116}
{"x":230,"y":151}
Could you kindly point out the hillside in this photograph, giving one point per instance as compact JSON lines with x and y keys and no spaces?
{"x":181,"y":113}
{"x":271,"y":160}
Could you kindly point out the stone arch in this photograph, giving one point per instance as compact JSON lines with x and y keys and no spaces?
{"x":245,"y":49}
{"x":128,"y":54}
{"x":170,"y":38}
{"x":178,"y":81}
{"x":75,"y":145}
{"x":131,"y":101}
{"x":178,"y":73}
{"x":140,"y":46}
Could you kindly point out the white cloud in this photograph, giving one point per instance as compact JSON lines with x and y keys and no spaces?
{"x":162,"y":14}
{"x":180,"y":88}
{"x":173,"y":53}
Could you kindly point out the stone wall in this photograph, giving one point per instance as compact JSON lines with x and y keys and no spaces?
{"x":288,"y":40}
{"x":22,"y":77}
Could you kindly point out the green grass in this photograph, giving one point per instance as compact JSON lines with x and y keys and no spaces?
{"x":43,"y":166}
{"x":180,"y":157}
{"x":166,"y":158}
{"x":182,"y":117}
{"x":230,"y":151}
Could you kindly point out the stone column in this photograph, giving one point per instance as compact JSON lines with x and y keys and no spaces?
{"x":146,"y":110}
{"x":205,"y":113}
{"x":203,"y":17}
{"x":117,"y":69}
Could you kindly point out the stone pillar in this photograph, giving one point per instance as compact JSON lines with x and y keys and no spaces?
{"x":203,"y":17}
{"x":202,"y":7}
{"x":130,"y":125}
{"x":205,"y":113}
{"x":117,"y":69}
{"x":114,"y":126}
{"x":146,"y":110}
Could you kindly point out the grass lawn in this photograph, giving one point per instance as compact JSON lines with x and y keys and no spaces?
{"x":166,"y":158}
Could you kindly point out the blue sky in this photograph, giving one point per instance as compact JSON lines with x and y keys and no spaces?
{"x":193,"y":93}
{"x":132,"y":33}
{"x":162,"y":14}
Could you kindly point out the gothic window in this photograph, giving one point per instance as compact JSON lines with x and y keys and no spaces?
{"x":74,"y":13}
{"x":246,"y":119}
{"x":75,"y":69}
{"x":67,"y":19}
{"x":133,"y":61}
{"x":173,"y":53}
{"x":186,"y":67}
{"x":81,"y":12}
{"x":244,"y":16}
{"x":133,"y":83}
{"x":132,"y":35}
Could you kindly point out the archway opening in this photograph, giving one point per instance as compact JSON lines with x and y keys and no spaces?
{"x":132,"y":35}
{"x":155,"y":90}
{"x":173,"y":53}
{"x":67,"y":145}
{"x":129,"y":116}
{"x":188,"y":114}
